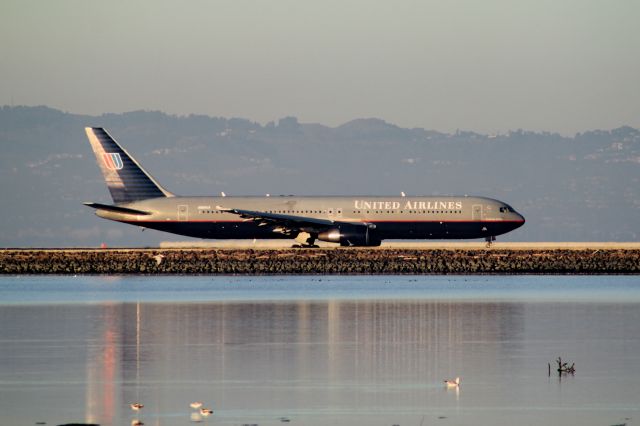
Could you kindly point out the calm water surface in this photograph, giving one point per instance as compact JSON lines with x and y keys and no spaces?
{"x":319,"y":350}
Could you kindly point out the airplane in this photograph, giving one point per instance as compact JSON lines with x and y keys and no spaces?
{"x":346,"y":220}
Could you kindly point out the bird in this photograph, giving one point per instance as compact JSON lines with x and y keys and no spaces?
{"x":136,"y":406}
{"x":136,"y":422}
{"x":158,"y":258}
{"x":196,"y":405}
{"x":452,"y":383}
{"x":206,"y":411}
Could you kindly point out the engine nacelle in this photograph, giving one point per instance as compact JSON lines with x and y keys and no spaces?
{"x":350,"y":235}
{"x":330,"y":236}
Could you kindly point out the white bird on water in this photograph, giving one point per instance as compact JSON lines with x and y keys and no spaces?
{"x":452,"y":383}
{"x":206,"y":411}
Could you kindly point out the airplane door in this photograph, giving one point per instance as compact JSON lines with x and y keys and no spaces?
{"x":183,"y":213}
{"x":476,"y":212}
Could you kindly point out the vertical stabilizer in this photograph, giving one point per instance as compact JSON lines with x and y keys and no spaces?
{"x":126,"y":179}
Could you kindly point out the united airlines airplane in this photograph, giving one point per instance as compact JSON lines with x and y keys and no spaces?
{"x":349,"y":221}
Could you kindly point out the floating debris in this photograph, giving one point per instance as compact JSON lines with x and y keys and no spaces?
{"x":80,"y":424}
{"x":563,"y":367}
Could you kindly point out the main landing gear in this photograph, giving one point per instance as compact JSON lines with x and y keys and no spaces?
{"x":306,"y":240}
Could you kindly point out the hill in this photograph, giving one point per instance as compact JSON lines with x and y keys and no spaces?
{"x":580,"y":188}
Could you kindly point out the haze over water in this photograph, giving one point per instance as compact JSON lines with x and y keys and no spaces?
{"x":319,"y":350}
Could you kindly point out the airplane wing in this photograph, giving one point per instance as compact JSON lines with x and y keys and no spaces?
{"x":285,"y":223}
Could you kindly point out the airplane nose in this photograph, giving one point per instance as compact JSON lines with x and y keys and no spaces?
{"x":520,"y":219}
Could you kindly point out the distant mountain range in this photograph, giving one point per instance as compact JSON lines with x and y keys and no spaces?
{"x":581,"y":188}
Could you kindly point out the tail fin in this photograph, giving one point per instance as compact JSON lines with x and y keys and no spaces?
{"x":126,"y":180}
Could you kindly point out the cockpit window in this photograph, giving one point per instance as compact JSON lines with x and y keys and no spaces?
{"x":506,"y":209}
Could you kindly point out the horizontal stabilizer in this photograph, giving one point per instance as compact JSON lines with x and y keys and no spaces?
{"x":116,"y":209}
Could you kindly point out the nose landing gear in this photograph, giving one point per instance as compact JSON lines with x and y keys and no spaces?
{"x":490,"y":240}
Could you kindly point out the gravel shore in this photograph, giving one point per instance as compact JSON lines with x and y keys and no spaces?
{"x":320,"y":261}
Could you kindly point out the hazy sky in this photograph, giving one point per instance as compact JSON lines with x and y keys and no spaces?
{"x":484,"y":65}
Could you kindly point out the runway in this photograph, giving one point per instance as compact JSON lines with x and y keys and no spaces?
{"x":416,"y":245}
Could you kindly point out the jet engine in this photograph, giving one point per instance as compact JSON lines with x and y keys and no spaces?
{"x":350,"y":235}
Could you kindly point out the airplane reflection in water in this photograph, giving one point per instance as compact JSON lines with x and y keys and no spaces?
{"x":296,"y":355}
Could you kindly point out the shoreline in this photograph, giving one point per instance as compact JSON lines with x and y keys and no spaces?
{"x":320,"y":261}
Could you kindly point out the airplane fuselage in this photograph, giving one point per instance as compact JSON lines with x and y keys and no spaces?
{"x":442,"y":217}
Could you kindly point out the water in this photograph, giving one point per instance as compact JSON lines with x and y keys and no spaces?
{"x":319,"y":350}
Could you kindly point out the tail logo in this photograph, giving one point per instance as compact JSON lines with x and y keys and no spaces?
{"x":112,"y":160}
